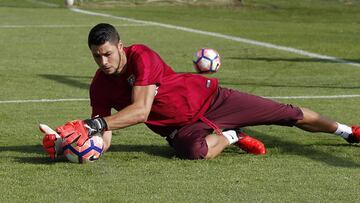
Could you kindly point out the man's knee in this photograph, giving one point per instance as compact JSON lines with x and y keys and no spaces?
{"x":193,"y":151}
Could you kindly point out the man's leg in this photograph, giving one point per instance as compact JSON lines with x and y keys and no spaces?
{"x":314,"y":122}
{"x":194,"y":142}
{"x":216,"y":144}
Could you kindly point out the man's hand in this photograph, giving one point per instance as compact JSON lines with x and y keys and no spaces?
{"x":80,"y":130}
{"x":51,"y":141}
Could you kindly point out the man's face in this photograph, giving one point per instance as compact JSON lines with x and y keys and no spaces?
{"x":109,"y":57}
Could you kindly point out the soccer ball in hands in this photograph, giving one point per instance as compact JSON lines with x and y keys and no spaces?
{"x":206,"y":61}
{"x":89,"y":152}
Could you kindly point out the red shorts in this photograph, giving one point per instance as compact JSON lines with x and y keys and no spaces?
{"x":230,"y":109}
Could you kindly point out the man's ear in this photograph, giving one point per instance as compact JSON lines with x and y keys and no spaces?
{"x":120,"y":46}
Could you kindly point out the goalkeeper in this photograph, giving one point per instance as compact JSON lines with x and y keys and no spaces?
{"x":184,"y":108}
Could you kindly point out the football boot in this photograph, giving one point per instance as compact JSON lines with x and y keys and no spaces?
{"x":354,"y":137}
{"x":250,"y":144}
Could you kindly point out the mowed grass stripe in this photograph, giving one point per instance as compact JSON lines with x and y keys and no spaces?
{"x":223,"y":36}
{"x":273,"y":97}
{"x":63,"y":26}
{"x":140,"y":166}
{"x":43,"y":3}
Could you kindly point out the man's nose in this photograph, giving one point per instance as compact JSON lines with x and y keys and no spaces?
{"x":104,"y":60}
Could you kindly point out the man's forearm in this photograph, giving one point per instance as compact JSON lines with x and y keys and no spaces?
{"x":130,"y":115}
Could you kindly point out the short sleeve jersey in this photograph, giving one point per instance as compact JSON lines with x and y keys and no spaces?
{"x":181,"y":98}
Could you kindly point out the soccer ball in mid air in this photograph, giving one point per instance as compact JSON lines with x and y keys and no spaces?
{"x":206,"y":61}
{"x":69,"y":2}
{"x":89,"y":152}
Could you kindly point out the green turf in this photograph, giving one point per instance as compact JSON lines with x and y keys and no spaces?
{"x":51,"y":63}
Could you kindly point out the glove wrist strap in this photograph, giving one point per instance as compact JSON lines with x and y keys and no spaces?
{"x":96,"y":125}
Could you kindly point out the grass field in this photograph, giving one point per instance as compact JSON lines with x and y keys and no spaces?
{"x":44,"y":55}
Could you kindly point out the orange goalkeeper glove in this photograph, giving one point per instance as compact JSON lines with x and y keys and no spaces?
{"x":80,"y":130}
{"x":51,"y":141}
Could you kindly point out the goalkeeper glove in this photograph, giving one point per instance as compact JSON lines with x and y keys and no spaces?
{"x":81,"y":130}
{"x":51,"y":141}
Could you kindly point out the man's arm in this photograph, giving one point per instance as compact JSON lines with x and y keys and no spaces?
{"x":137,"y":112}
{"x":143,"y":97}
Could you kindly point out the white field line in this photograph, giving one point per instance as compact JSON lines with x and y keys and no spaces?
{"x":61,"y":26}
{"x":85,"y":99}
{"x":229,"y":37}
{"x":316,"y":97}
{"x":43,"y":100}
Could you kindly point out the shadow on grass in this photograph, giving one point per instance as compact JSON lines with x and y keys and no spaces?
{"x":38,"y":149}
{"x":154,"y":150}
{"x":293,"y":148}
{"x":40,"y":160}
{"x":30,"y":149}
{"x":286,"y":147}
{"x":74,"y":81}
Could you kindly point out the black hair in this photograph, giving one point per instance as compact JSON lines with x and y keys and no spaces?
{"x":102,"y":33}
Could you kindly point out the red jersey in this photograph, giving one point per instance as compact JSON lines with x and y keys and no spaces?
{"x":180,"y":98}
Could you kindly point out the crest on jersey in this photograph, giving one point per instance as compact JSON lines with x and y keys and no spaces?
{"x":131,"y":80}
